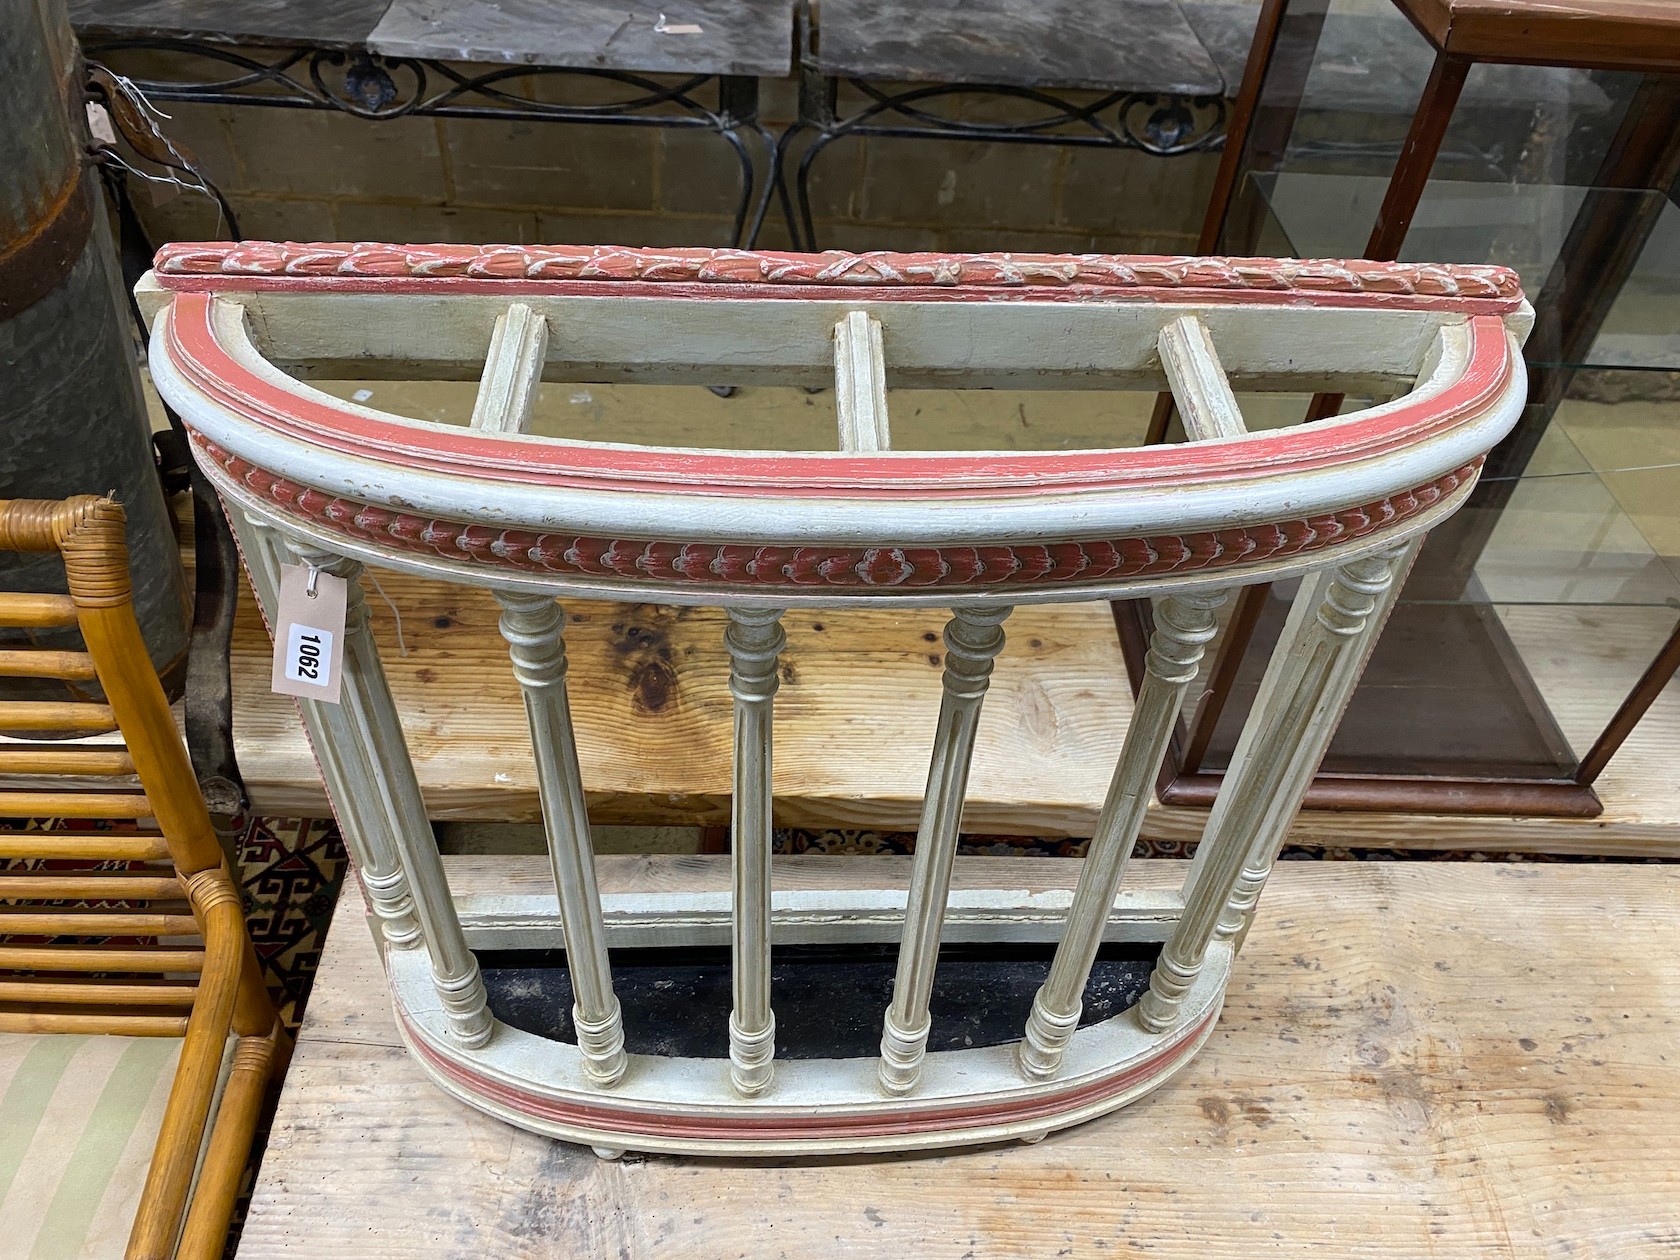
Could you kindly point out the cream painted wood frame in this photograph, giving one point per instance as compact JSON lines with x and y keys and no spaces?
{"x":1342,"y":504}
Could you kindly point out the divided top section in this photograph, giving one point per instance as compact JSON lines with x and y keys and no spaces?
{"x":240,"y":326}
{"x":739,"y":317}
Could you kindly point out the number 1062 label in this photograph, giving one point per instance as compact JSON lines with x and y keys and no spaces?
{"x":309,"y":634}
{"x":309,"y":655}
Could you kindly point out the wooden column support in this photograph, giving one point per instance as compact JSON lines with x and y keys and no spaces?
{"x":385,"y":808}
{"x":1199,"y":385}
{"x":755,"y":640}
{"x":372,"y":715}
{"x":347,"y":765}
{"x":1184,"y":625}
{"x":512,"y":372}
{"x":973,"y":638}
{"x":1332,"y":626}
{"x":533,"y":626}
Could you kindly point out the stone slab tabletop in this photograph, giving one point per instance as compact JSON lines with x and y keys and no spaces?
{"x":745,"y":37}
{"x":1370,"y":57}
{"x":1145,"y":45}
{"x":314,"y":23}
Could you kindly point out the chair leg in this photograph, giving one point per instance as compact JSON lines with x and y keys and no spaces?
{"x":219,"y":1178}
{"x":168,"y":1180}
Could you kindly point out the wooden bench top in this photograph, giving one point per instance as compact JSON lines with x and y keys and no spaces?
{"x":854,"y":723}
{"x":1414,"y":1059}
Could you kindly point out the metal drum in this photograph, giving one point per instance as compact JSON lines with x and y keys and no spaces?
{"x":70,"y":404}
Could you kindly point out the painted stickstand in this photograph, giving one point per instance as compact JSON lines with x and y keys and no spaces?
{"x":1341,"y":504}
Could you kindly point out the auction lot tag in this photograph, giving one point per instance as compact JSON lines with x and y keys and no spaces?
{"x":309,"y":634}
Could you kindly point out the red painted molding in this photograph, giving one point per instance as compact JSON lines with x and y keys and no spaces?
{"x":859,"y":568}
{"x":810,"y":1124}
{"x":735,"y":272}
{"x":323,"y":423}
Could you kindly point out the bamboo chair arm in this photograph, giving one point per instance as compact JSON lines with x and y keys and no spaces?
{"x":45,"y":524}
{"x":163,"y":1201}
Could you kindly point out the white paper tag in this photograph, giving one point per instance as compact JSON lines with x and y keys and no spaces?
{"x":309,"y":634}
{"x":99,"y":125}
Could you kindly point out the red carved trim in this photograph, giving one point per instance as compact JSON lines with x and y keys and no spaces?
{"x":810,"y":1125}
{"x":702,"y":272}
{"x":195,"y":348}
{"x":860,"y":568}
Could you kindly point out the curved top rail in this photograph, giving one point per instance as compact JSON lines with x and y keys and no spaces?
{"x":911,"y":524}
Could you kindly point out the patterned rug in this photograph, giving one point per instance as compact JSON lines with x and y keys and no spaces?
{"x":904,"y":842}
{"x":290,"y":869}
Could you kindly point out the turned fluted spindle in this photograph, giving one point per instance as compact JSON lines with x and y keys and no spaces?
{"x":755,"y":640}
{"x":973,"y":638}
{"x":1357,"y":582}
{"x":371,"y":722}
{"x":534,"y":627}
{"x":1184,"y":624}
{"x":345,"y":764}
{"x":1331,"y":628}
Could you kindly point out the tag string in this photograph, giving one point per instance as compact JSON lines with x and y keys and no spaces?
{"x":402,"y":647}
{"x":313,"y":581}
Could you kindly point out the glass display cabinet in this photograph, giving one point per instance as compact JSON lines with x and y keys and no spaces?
{"x":1538,"y":627}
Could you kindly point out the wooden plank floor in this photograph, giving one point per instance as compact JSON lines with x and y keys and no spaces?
{"x":1415,"y":1059}
{"x":854,"y":717}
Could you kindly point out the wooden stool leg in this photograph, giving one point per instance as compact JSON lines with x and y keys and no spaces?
{"x":1644,"y":694}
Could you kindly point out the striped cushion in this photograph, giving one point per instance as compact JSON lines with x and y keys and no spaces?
{"x":79,"y":1116}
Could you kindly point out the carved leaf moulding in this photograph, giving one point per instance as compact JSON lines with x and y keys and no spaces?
{"x":834,"y":567}
{"x":719,"y":272}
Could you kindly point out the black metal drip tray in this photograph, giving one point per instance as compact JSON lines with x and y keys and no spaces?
{"x":828,"y":1000}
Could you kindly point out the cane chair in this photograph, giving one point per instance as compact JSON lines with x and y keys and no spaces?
{"x":131,"y":1005}
{"x":312,"y":480}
